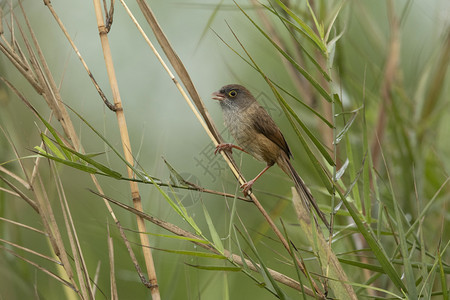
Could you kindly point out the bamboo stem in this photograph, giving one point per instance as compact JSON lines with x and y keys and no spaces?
{"x":126,"y":149}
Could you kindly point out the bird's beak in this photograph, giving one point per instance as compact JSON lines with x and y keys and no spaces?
{"x":218,"y":96}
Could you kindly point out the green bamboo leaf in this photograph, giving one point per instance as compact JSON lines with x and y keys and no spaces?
{"x":333,"y":20}
{"x":177,"y":175}
{"x":347,"y":126}
{"x":180,"y":209}
{"x":409,"y":274}
{"x":377,"y":250}
{"x":212,"y":229}
{"x":443,"y":277}
{"x":51,"y":129}
{"x":427,"y":207}
{"x":319,"y":26}
{"x":52,"y":146}
{"x":215,"y":268}
{"x":432,"y":270}
{"x":341,"y":171}
{"x":361,"y":265}
{"x":297,"y":267}
{"x":304,"y":50}
{"x":241,"y":253}
{"x":177,"y":237}
{"x":40,"y":150}
{"x":98,"y":165}
{"x":427,"y":267}
{"x":69,"y":163}
{"x":94,"y":154}
{"x":308,"y":30}
{"x":24,"y":157}
{"x":270,"y":283}
{"x":135,"y":171}
{"x":192,"y":253}
{"x":332,"y":50}
{"x":312,"y":137}
{"x":210,"y":21}
{"x":366,"y":172}
{"x":317,"y":165}
{"x":308,"y":77}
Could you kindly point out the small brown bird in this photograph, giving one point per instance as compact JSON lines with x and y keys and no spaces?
{"x":257,"y":134}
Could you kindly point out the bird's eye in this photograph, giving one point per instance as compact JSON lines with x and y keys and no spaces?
{"x":232,"y":93}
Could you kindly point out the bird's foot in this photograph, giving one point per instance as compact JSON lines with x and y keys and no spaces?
{"x":246,"y":187}
{"x":224,"y":147}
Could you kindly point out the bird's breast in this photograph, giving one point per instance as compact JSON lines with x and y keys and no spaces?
{"x":242,"y":129}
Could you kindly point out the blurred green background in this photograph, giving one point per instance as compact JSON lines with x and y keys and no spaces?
{"x":161,"y":125}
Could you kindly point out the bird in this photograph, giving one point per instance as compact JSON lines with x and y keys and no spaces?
{"x":256,"y":133}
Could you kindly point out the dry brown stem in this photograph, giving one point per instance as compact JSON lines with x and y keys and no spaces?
{"x":126,"y":149}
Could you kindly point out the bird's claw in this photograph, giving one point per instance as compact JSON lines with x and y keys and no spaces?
{"x":224,"y":147}
{"x":246,"y":187}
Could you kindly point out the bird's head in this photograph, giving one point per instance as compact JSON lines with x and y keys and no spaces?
{"x":233,"y":96}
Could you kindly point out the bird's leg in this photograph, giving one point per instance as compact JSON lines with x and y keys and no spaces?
{"x":248,"y":185}
{"x":228,"y":147}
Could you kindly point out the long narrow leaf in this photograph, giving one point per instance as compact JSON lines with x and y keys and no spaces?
{"x":192,"y":253}
{"x":287,"y":22}
{"x":52,"y":146}
{"x":308,"y":31}
{"x":409,"y":275}
{"x":66,"y":162}
{"x":377,"y":250}
{"x":216,"y":268}
{"x":308,"y":77}
{"x":212,"y":229}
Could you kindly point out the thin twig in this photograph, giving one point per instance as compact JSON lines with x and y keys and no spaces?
{"x":69,"y":39}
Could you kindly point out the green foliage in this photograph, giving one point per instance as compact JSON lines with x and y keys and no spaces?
{"x":369,"y":135}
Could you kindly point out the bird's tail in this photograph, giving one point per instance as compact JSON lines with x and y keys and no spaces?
{"x":304,"y":192}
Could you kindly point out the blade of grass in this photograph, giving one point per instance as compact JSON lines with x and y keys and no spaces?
{"x":212,"y":229}
{"x":308,"y":32}
{"x":319,"y":26}
{"x":297,"y":269}
{"x":443,"y":277}
{"x":302,"y":71}
{"x":192,"y":253}
{"x":287,"y":22}
{"x":373,"y":243}
{"x":409,"y":274}
{"x":66,"y":162}
{"x":52,"y":146}
{"x":270,"y":282}
{"x":215,"y":268}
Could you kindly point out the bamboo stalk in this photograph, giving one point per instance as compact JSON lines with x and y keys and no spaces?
{"x":126,"y":149}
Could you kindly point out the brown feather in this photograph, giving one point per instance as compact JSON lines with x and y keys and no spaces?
{"x":264,"y":124}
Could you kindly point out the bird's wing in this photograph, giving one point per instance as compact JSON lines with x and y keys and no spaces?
{"x":264,"y":124}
